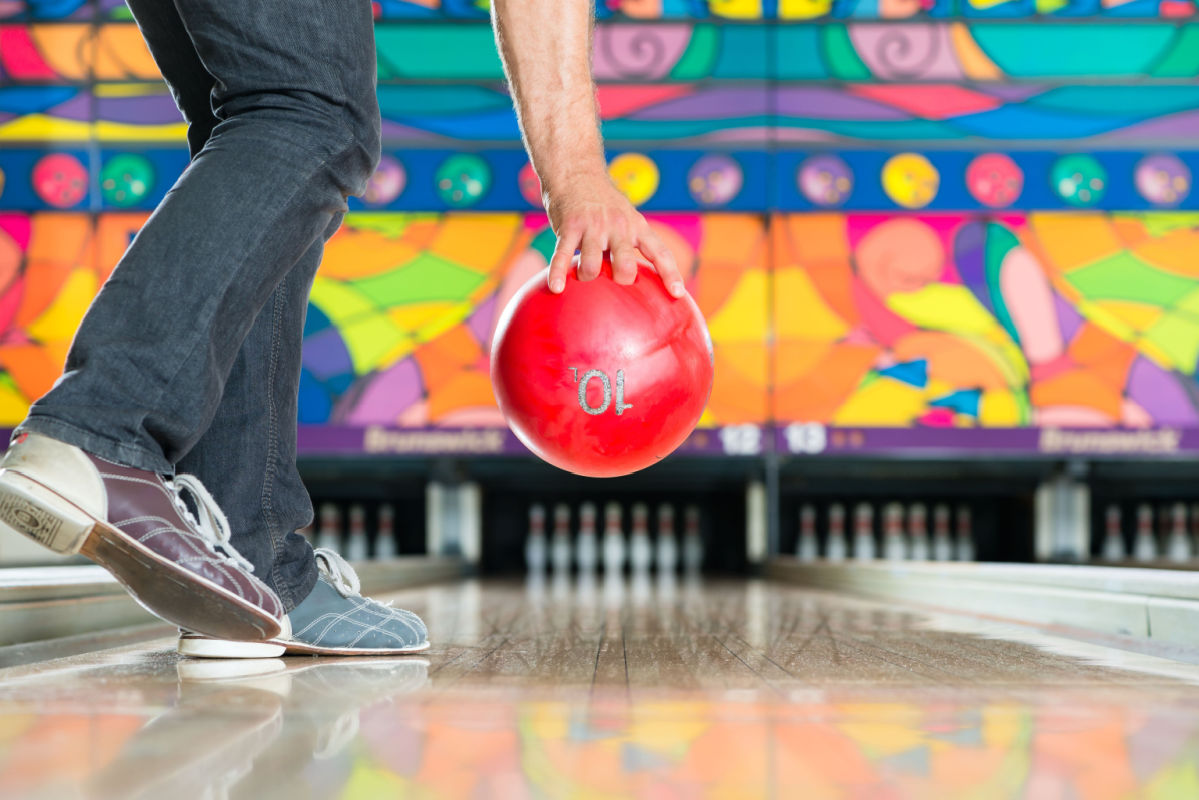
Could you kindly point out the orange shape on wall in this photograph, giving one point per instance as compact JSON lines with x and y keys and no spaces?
{"x":447,"y":355}
{"x":817,"y":396}
{"x":952,"y":359}
{"x":1078,"y":388}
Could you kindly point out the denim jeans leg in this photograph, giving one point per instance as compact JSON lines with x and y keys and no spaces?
{"x":297,"y":131}
{"x":247,"y":457}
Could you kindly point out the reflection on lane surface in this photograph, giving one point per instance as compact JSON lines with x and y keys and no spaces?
{"x":817,"y":695}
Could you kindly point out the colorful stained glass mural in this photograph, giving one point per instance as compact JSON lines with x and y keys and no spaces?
{"x":403,"y":312}
{"x":1041,"y":319}
{"x":907,"y":222}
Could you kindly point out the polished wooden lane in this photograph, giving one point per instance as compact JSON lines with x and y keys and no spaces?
{"x":629,"y":689}
{"x":752,"y":636}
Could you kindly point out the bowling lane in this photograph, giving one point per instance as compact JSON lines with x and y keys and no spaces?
{"x":637,"y":688}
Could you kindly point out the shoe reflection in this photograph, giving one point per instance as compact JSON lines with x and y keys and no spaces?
{"x":252,"y":727}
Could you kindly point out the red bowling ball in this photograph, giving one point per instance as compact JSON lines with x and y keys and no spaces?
{"x":601,"y":380}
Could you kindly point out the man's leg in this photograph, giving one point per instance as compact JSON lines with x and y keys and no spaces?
{"x":247,"y":454}
{"x":297,"y":132}
{"x":246,"y":458}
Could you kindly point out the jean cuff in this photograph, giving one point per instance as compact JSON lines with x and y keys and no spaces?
{"x":127,"y":455}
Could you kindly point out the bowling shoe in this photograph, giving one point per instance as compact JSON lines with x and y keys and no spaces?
{"x":136,"y":524}
{"x":334,"y":619}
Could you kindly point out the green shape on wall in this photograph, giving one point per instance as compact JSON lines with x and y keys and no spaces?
{"x":841,"y":57}
{"x":698,"y":60}
{"x":999,"y":242}
{"x":392,"y":224}
{"x":544,"y":243}
{"x":1126,"y":277}
{"x":427,"y":278}
{"x":444,"y":52}
{"x":1183,"y":59}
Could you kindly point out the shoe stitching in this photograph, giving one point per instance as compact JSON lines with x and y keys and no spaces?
{"x":201,"y":553}
{"x":236,"y":581}
{"x":333,"y":619}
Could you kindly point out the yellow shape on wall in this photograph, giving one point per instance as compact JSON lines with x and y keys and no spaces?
{"x":13,"y":405}
{"x":736,"y":9}
{"x":805,"y":316}
{"x":59,"y":321}
{"x":1134,"y":315}
{"x":882,"y":402}
{"x":1178,"y":337}
{"x":119,"y":132}
{"x":998,"y":408}
{"x":743,"y":317}
{"x":41,"y":128}
{"x":804,"y":9}
{"x":944,"y":307}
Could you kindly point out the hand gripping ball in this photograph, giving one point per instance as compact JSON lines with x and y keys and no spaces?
{"x":603,"y":379}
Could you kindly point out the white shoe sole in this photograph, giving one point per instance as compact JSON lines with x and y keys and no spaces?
{"x":204,"y":647}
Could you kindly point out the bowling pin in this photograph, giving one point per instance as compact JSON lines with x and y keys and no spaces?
{"x":640,"y":588}
{"x":942,"y":545}
{"x":640,"y":550}
{"x":1145,"y":543}
{"x":560,"y":546}
{"x":807,"y":549}
{"x":587,"y":545}
{"x":836,"y":549}
{"x":614,"y":549}
{"x":894,"y":546}
{"x":863,"y":532}
{"x":693,"y":541}
{"x":1113,"y":534}
{"x":385,"y":539}
{"x":918,"y":531}
{"x":329,"y":535}
{"x":965,"y":538}
{"x":668,"y":543}
{"x":1195,"y":529}
{"x":1163,"y":529}
{"x":535,"y":545}
{"x":1178,"y":545}
{"x":356,"y":544}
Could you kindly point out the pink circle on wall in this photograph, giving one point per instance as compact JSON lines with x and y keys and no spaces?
{"x":994,"y":180}
{"x":60,"y":180}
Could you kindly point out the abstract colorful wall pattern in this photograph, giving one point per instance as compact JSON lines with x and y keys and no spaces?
{"x":1072,"y":320}
{"x":917,"y":217}
{"x":404,"y":308}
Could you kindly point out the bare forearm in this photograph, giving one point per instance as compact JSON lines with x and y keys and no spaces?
{"x":546,"y":50}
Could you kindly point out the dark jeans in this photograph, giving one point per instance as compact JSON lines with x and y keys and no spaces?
{"x":190,"y":355}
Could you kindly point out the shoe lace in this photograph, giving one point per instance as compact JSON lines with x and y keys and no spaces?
{"x":210,"y":522}
{"x":341,"y":575}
